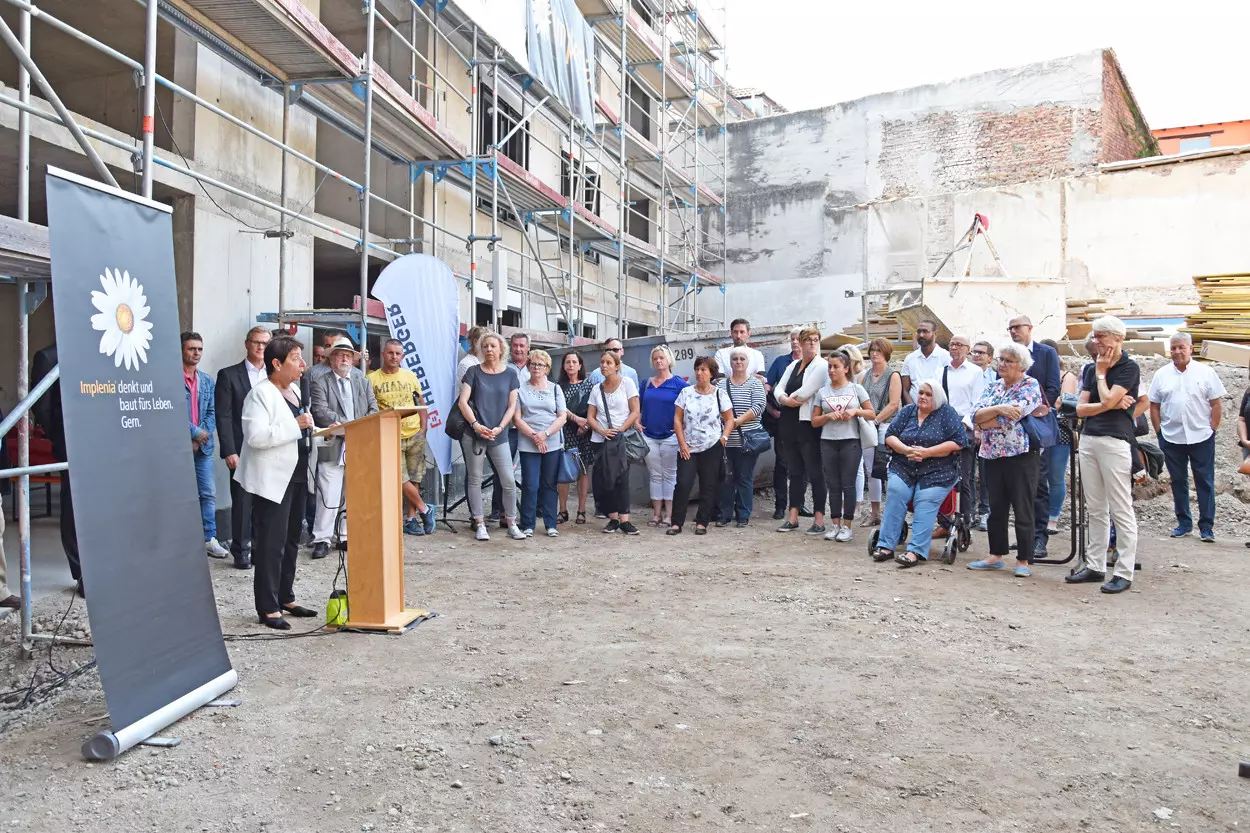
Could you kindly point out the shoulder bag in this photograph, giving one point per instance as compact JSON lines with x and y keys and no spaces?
{"x":1043,"y":431}
{"x":456,"y":425}
{"x":570,"y":466}
{"x":636,"y":448}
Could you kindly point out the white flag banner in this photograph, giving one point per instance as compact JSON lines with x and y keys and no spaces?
{"x":423,"y":311}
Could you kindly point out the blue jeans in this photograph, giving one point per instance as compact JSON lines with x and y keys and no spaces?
{"x":1056,"y":471}
{"x":1179,"y":458}
{"x":925,"y":503}
{"x":737,"y":493}
{"x":538,"y":487}
{"x":208,"y":493}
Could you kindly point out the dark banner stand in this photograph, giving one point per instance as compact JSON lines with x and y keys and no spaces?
{"x":149,"y":594}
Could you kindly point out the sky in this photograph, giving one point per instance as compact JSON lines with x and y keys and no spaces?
{"x":1186,"y":64}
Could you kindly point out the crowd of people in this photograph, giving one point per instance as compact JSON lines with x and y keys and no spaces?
{"x":865,"y":440}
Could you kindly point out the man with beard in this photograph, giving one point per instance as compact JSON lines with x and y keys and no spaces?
{"x":925,"y":363}
{"x":740,"y":332}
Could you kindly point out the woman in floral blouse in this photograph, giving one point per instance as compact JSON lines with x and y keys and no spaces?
{"x":925,"y":439}
{"x":1011,"y":466}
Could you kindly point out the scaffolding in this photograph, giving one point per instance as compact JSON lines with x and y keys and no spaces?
{"x":658,"y":134}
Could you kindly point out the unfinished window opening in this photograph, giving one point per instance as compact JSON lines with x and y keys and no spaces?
{"x":638,"y":105}
{"x":638,"y":220}
{"x":517,"y":147}
{"x":586,"y":184}
{"x":482,"y":311}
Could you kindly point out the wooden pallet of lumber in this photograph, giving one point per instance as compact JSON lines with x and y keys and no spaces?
{"x":1223,"y":308}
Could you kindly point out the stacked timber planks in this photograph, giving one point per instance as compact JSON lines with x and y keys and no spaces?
{"x":1082,"y":314}
{"x":1223,"y":308}
{"x":881,"y":324}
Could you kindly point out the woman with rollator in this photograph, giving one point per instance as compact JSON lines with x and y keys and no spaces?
{"x":925,"y":439}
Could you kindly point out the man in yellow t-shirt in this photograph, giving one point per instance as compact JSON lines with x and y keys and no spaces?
{"x":395,"y":386}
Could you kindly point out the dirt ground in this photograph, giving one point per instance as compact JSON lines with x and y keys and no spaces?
{"x":743,"y":680}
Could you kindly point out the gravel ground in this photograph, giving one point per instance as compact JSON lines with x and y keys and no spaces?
{"x":743,"y":680}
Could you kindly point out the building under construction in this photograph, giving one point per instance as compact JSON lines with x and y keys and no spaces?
{"x":570,"y":154}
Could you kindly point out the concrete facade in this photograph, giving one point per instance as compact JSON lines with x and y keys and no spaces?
{"x":874,"y":192}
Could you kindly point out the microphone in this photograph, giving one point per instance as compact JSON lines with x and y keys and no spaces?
{"x":304,"y":396}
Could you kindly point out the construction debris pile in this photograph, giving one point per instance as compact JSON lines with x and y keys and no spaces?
{"x":1083,"y":313}
{"x":1223,"y":308}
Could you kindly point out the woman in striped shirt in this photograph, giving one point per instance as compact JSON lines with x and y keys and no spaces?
{"x":746,"y":395}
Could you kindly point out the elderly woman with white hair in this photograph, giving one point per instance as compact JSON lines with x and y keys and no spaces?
{"x":1106,"y":457}
{"x":746,"y":396}
{"x":1012,"y":464}
{"x":925,"y":438}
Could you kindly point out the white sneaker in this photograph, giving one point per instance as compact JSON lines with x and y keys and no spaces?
{"x":553,"y":533}
{"x":832,"y":533}
{"x":529,"y":533}
{"x":214,"y":549}
{"x":515,"y":533}
{"x":844,"y":534}
{"x":482,"y":534}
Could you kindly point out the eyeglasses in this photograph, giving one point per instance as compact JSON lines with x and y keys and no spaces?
{"x":1006,"y":360}
{"x":258,"y":341}
{"x":812,"y":340}
{"x":955,"y":344}
{"x":1018,"y":326}
{"x":538,"y":364}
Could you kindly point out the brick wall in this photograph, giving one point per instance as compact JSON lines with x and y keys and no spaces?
{"x":962,"y":150}
{"x":1123,"y":132}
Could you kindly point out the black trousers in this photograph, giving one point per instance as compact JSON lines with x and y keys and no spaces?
{"x":240,"y":519}
{"x":1012,"y":482}
{"x":803,"y":465}
{"x":69,"y":530}
{"x":1041,"y":503}
{"x":840,"y":461}
{"x":276,"y":527}
{"x":706,"y":466}
{"x":968,"y":482}
{"x":781,"y":492}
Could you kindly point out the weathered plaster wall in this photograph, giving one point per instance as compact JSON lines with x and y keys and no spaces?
{"x":875,"y":192}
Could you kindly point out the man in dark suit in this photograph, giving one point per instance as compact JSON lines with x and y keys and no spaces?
{"x":47,"y":413}
{"x":1045,"y":369}
{"x":233,"y":385}
{"x":342,"y":395}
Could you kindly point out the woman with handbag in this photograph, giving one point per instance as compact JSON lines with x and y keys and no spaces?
{"x":1012,"y":462}
{"x":539,"y":419}
{"x":488,"y":400}
{"x":702,"y":421}
{"x":748,"y":439}
{"x":837,"y":411}
{"x":656,"y":407}
{"x":885,"y":390}
{"x":577,"y":433}
{"x":612,"y":414}
{"x":794,"y":393}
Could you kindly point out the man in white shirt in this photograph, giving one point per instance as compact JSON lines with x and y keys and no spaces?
{"x":925,"y":363}
{"x":1185,"y":412}
{"x":983,"y":357}
{"x":740,"y":332}
{"x":612,"y":345}
{"x":962,"y":382}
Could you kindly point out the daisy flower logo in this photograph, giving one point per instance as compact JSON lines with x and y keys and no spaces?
{"x":122,"y":317}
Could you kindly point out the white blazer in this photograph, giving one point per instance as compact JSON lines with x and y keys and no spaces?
{"x":270,"y":449}
{"x":814,"y":378}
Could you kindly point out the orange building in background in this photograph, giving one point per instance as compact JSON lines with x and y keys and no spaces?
{"x":1202,"y":136}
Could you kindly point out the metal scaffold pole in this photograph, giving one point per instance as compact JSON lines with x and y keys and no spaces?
{"x":367,"y":74}
{"x":149,"y":95}
{"x":286,"y":138}
{"x":23,"y":127}
{"x":620,"y":226}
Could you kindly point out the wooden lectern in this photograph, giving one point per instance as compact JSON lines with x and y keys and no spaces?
{"x":375,"y":557}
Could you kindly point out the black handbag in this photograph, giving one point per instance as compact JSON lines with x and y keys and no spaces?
{"x":881,"y":464}
{"x":755,"y":440}
{"x":456,"y":425}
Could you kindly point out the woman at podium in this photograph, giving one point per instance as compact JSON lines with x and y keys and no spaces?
{"x":273,"y":465}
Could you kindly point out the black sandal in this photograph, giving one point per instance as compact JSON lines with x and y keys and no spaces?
{"x":700,"y":530}
{"x":882,"y":554}
{"x":562,"y":518}
{"x":904,"y":563}
{"x":673,"y":530}
{"x":581,"y":518}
